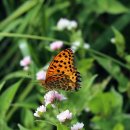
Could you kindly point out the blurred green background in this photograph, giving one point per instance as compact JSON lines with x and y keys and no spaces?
{"x":29,"y":27}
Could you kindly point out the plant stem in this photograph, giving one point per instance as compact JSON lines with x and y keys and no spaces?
{"x":6,"y":34}
{"x":110,"y":58}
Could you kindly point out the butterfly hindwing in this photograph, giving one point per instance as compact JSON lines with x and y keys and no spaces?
{"x":60,"y":81}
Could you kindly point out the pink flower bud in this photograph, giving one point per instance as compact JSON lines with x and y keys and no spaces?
{"x":41,"y":75}
{"x":56,"y":45}
{"x":51,"y":96}
{"x":25,"y":61}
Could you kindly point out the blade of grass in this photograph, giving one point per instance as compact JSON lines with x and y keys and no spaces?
{"x":21,"y":10}
{"x":7,"y":97}
{"x":16,"y":35}
{"x":27,"y":90}
{"x":2,"y":84}
{"x":7,"y":56}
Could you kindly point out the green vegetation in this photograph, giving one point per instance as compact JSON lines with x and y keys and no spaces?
{"x":27,"y":28}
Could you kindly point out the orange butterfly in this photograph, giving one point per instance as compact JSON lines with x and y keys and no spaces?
{"x":61,"y":73}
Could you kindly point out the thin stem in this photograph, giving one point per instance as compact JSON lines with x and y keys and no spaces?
{"x":47,"y":121}
{"x":6,"y":34}
{"x":111,"y":58}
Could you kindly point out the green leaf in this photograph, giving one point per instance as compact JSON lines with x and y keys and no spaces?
{"x":7,"y":56}
{"x":2,"y":84}
{"x":59,"y":7}
{"x":7,"y":97}
{"x":3,"y":125}
{"x":114,"y":70}
{"x":62,"y":127}
{"x":111,"y":103}
{"x":21,"y":10}
{"x":17,"y":74}
{"x":85,"y":64}
{"x":127,"y":58}
{"x":126,"y":121}
{"x":22,"y":128}
{"x":78,"y":100}
{"x":27,"y":118}
{"x":11,"y":26}
{"x":111,"y":6}
{"x":119,"y":126}
{"x":119,"y":42}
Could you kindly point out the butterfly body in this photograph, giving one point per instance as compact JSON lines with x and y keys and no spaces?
{"x":61,"y":73}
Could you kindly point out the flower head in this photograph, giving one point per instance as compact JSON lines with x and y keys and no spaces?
{"x":113,"y":40}
{"x":41,"y":75}
{"x":56,"y":45}
{"x":86,"y":46}
{"x":40,"y":110}
{"x":63,"y":116}
{"x":77,"y":126}
{"x":72,"y":25}
{"x":51,"y":96}
{"x":25,"y":68}
{"x":64,"y":23}
{"x":25,"y":62}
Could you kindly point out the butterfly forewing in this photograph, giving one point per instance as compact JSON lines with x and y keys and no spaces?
{"x":61,"y":73}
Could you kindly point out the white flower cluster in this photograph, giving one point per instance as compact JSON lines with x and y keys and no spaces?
{"x":64,"y":23}
{"x":77,"y":126}
{"x":76,"y":44}
{"x":49,"y":98}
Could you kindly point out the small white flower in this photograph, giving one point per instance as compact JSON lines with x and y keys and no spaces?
{"x":41,"y":75}
{"x":86,"y":46}
{"x":36,"y":114}
{"x":25,"y":61}
{"x":113,"y":40}
{"x":72,"y":25}
{"x":62,"y":24}
{"x":87,"y":109}
{"x":40,"y":110}
{"x":25,"y":68}
{"x":56,"y":45}
{"x":51,"y":96}
{"x":75,"y":45}
{"x":77,"y":126}
{"x":63,"y":116}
